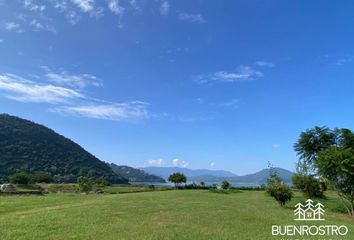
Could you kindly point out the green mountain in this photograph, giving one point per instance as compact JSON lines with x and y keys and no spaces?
{"x":136,"y":175}
{"x":257,"y":178}
{"x":29,"y":147}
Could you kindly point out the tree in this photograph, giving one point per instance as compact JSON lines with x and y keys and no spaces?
{"x":43,"y":177}
{"x":85,"y":184}
{"x":331,"y":154}
{"x":177,"y":178}
{"x":202,"y":184}
{"x":276,"y":188}
{"x":225,"y":185}
{"x":309,"y":185}
{"x":337,"y":165}
{"x":21,"y":178}
{"x":310,"y":144}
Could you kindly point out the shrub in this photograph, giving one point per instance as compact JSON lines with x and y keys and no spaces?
{"x":277,"y":189}
{"x":43,"y":177}
{"x":282,"y":194}
{"x":85,"y":184}
{"x":309,"y":185}
{"x":102,"y":182}
{"x":21,"y":178}
{"x":225,"y":185}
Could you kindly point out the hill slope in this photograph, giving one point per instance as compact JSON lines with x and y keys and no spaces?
{"x":190,"y":173}
{"x":136,"y":175}
{"x":30,"y":147}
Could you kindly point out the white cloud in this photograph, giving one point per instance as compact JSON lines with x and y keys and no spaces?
{"x":178,"y":163}
{"x":72,"y":17}
{"x":212,"y":164}
{"x":30,"y":5}
{"x":85,"y":5}
{"x":114,"y":6}
{"x":275,"y":145}
{"x":198,"y":18}
{"x":13,"y":26}
{"x":200,"y":100}
{"x":37,"y":25}
{"x":79,"y":80}
{"x":234,"y":103}
{"x":62,"y":6}
{"x":344,"y":60}
{"x":265,"y":64}
{"x":134,"y":5}
{"x":113,"y":111}
{"x":68,"y":100}
{"x":165,"y":8}
{"x":20,"y":89}
{"x":155,"y":162}
{"x":242,"y":73}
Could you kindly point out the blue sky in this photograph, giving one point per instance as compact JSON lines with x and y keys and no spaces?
{"x":203,"y":84}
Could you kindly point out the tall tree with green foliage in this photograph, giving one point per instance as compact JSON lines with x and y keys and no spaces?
{"x":337,"y":165}
{"x":310,"y":144}
{"x":177,"y":178}
{"x":330,"y":154}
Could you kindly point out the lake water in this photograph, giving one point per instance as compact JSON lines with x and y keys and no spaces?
{"x":233,"y":184}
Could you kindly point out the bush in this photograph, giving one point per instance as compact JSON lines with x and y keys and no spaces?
{"x":225,"y":185}
{"x":21,"y":178}
{"x":277,"y":189}
{"x":102,"y":182}
{"x":85,"y":184}
{"x":282,"y":194}
{"x":43,"y":177}
{"x":309,"y":185}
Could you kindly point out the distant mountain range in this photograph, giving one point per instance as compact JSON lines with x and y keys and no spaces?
{"x":136,"y":175}
{"x":217,"y":176}
{"x":190,"y":173}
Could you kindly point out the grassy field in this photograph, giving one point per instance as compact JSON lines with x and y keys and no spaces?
{"x":181,"y":214}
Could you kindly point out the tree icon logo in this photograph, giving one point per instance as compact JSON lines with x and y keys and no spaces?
{"x":309,"y":211}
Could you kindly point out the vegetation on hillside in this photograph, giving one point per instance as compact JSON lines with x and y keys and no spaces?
{"x":32,"y":148}
{"x":136,"y":175}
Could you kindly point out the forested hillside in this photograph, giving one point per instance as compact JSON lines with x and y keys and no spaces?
{"x":29,"y":147}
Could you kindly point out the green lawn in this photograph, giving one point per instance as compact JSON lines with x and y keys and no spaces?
{"x":182,"y":214}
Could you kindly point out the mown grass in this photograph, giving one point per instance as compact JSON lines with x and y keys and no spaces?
{"x":179,"y":214}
